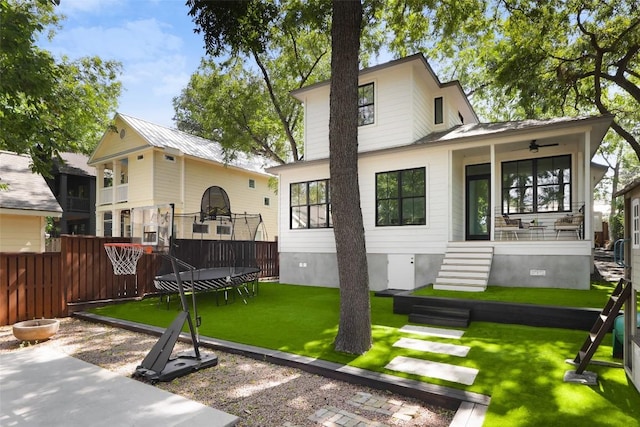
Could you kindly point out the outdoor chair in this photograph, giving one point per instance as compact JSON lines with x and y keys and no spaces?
{"x":504,"y":223}
{"x":572,"y":223}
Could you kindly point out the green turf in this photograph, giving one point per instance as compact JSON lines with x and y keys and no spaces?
{"x":596,"y":297}
{"x":521,"y":367}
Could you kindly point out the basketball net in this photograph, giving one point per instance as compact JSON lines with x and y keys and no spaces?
{"x":124,"y":256}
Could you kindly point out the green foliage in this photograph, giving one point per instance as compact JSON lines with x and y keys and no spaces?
{"x":48,"y":106}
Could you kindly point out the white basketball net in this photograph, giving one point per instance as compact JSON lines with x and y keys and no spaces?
{"x":124,"y":258}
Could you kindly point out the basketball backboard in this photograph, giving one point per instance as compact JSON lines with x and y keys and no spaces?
{"x":153,"y":226}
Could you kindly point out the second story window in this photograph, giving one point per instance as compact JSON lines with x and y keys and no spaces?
{"x":366,"y":112}
{"x":252,"y":183}
{"x":438,"y":111}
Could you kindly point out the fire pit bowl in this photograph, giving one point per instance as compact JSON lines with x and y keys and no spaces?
{"x":36,"y":330}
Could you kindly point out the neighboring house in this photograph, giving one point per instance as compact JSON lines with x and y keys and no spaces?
{"x":25,"y":204}
{"x":631,"y":194}
{"x":143,"y":164}
{"x":436,"y":185}
{"x":74,"y":184}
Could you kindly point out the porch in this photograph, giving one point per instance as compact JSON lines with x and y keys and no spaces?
{"x":559,"y":226}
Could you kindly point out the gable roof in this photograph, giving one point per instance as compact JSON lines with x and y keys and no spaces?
{"x":415,"y":57}
{"x":162,"y":137}
{"x":27,"y":191}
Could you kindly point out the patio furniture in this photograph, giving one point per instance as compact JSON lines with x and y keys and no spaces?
{"x":572,"y":223}
{"x":504,"y":223}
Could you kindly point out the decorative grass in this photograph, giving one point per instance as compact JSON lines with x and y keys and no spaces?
{"x":520,"y":367}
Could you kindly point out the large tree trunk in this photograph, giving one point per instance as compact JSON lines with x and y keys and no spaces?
{"x":354,"y":331}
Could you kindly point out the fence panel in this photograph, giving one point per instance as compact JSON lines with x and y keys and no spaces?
{"x":36,"y":285}
{"x":29,"y":287}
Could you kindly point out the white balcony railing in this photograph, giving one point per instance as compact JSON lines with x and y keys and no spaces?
{"x":122,"y":193}
{"x":106,"y":195}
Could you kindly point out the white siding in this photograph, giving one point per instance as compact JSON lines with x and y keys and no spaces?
{"x":316,"y":124}
{"x":166,"y":179}
{"x":22,"y":233}
{"x":141,"y":179}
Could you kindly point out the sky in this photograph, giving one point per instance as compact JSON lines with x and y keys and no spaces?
{"x":153,"y":39}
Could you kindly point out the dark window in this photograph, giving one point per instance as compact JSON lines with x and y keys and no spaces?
{"x":252,"y":183}
{"x":438,"y":110}
{"x":223,"y":229}
{"x":400,"y":197}
{"x":365,"y":105}
{"x":267,"y":202}
{"x":310,"y":204}
{"x":537,"y":185}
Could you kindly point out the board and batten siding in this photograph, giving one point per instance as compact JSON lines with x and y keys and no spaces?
{"x":22,"y":233}
{"x":141,"y":185}
{"x":167,"y":178}
{"x":424,"y":239}
{"x":201,"y":175}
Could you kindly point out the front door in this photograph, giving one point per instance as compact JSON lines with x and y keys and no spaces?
{"x":478,"y":200}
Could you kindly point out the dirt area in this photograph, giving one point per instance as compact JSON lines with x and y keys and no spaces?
{"x":261,"y":394}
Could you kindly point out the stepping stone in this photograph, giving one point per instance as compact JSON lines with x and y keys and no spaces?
{"x":427,"y":368}
{"x":434,"y":332}
{"x":433,"y":347}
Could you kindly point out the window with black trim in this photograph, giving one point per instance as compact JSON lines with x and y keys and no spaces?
{"x":400,"y":197}
{"x":310,"y":205}
{"x":537,"y":185}
{"x":438,"y":111}
{"x":366,"y":112}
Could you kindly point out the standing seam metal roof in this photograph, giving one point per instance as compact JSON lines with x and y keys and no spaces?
{"x":163,"y":137}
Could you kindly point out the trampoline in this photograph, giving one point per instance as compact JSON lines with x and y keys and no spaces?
{"x":216,"y":279}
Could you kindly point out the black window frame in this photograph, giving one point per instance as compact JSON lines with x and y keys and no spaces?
{"x":536,"y":187}
{"x":366,"y":104}
{"x":309,"y":205}
{"x":438,"y":110}
{"x":401,"y":199}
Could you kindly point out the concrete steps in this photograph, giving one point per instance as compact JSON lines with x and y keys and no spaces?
{"x":465,"y":267}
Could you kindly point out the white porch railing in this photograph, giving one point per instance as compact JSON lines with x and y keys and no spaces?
{"x":106,"y":196}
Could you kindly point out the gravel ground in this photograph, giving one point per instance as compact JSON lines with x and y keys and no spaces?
{"x":259,"y":393}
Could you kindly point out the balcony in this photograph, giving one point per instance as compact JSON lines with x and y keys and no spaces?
{"x":541,"y":226}
{"x":121,"y":194}
{"x":78,"y":204}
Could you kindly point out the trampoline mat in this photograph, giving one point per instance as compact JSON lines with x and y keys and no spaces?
{"x":207,"y":278}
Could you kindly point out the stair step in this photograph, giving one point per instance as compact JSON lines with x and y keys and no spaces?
{"x":466,"y":274}
{"x":466,"y":261}
{"x":465,"y":255}
{"x":438,"y":320}
{"x":467,"y":249}
{"x":460,"y":267}
{"x":441,"y":311}
{"x":460,"y":281}
{"x":459,"y":287}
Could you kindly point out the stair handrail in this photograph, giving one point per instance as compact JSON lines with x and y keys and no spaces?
{"x":618,"y":252}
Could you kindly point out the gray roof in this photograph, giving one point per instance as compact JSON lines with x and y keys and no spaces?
{"x":163,"y":137}
{"x":74,"y":164}
{"x":27,"y":190}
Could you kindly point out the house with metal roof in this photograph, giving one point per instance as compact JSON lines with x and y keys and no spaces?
{"x":141,"y":164}
{"x":25,"y":203}
{"x":446,"y":200}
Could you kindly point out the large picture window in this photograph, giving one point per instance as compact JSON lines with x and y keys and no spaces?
{"x":400,"y":197}
{"x":310,"y":204}
{"x":366,"y":112}
{"x":537,"y":185}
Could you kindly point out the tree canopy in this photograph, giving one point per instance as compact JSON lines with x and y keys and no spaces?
{"x":48,"y":106}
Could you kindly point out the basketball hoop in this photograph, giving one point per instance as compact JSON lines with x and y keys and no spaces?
{"x":125,"y":256}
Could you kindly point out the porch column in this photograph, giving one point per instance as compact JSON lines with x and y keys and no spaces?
{"x":588,"y":191}
{"x":99,"y":185}
{"x":494,"y":178}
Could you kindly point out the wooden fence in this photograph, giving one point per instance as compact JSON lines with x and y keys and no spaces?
{"x":47,"y":284}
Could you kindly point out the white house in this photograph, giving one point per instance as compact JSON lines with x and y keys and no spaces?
{"x":142,"y":164}
{"x":25,"y":204}
{"x":445,"y":199}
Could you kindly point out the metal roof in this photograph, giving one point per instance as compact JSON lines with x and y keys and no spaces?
{"x":26,"y":190}
{"x":163,"y":137}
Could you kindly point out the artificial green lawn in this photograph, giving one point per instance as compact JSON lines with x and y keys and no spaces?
{"x":521,"y":367}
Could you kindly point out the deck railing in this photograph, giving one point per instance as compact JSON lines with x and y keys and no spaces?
{"x":566,"y":225}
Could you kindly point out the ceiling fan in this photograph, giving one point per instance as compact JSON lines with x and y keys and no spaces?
{"x":533,"y":147}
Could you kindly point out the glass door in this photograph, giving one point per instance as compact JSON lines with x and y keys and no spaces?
{"x":478,"y":200}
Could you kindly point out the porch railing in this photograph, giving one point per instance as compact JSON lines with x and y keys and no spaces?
{"x":568,"y":225}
